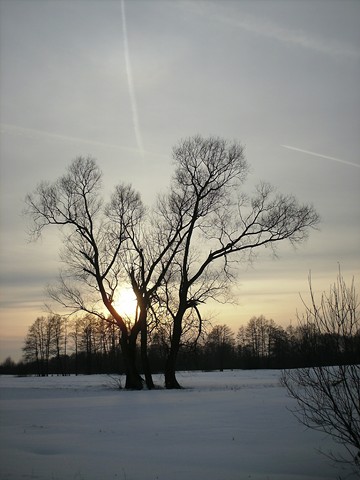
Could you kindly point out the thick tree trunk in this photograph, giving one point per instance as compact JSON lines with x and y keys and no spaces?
{"x":133,"y":379}
{"x":170,"y":373}
{"x":170,"y":366}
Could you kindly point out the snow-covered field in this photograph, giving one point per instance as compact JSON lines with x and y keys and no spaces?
{"x":229,"y":425}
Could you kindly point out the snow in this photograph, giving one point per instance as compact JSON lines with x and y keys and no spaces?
{"x":228,"y":425}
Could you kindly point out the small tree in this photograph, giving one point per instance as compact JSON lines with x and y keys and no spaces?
{"x":328,"y":397}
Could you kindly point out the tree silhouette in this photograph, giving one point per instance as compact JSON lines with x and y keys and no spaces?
{"x":328,"y":395}
{"x":94,"y":245}
{"x":176,"y":256}
{"x":225,"y":226}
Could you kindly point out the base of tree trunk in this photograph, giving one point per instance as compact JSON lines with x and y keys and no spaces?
{"x":134,"y":382}
{"x":170,"y":381}
{"x":149,"y":383}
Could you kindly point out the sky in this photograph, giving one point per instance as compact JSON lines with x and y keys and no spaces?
{"x":125,"y":81}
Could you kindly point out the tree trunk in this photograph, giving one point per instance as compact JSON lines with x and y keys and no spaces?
{"x":170,"y":373}
{"x":133,"y":379}
{"x":144,"y":357}
{"x":170,"y":366}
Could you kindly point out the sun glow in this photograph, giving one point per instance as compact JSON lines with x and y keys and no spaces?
{"x":125,"y":303}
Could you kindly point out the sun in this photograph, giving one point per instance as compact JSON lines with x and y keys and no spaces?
{"x":125,"y":302}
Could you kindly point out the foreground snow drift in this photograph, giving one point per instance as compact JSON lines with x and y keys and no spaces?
{"x":223,"y":426}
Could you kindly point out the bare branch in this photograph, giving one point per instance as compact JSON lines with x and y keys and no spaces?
{"x":328,"y":396}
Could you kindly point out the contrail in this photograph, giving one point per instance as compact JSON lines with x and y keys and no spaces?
{"x":321,"y":156}
{"x":130,"y":82}
{"x":9,"y":129}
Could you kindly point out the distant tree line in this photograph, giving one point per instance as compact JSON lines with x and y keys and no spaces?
{"x":55,"y":345}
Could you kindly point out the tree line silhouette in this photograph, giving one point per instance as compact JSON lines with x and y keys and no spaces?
{"x":55,"y":345}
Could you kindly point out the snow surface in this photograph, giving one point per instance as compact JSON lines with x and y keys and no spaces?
{"x":228,"y":425}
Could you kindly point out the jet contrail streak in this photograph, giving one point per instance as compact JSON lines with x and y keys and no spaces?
{"x":321,"y":156}
{"x":131,"y":83}
{"x":9,"y":129}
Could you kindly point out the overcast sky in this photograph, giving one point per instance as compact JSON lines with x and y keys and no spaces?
{"x":124,"y":82}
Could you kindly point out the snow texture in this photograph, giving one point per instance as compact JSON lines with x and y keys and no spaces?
{"x":228,"y":425}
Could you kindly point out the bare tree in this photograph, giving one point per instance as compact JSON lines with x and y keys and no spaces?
{"x":59,"y":342}
{"x":75,"y":336}
{"x":220,"y":344}
{"x":328,"y":397}
{"x":45,"y":339}
{"x":225,"y":227}
{"x":185,"y":252}
{"x":37,"y":345}
{"x":262,"y":341}
{"x":94,"y":245}
{"x":106,"y":245}
{"x":152,"y":246}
